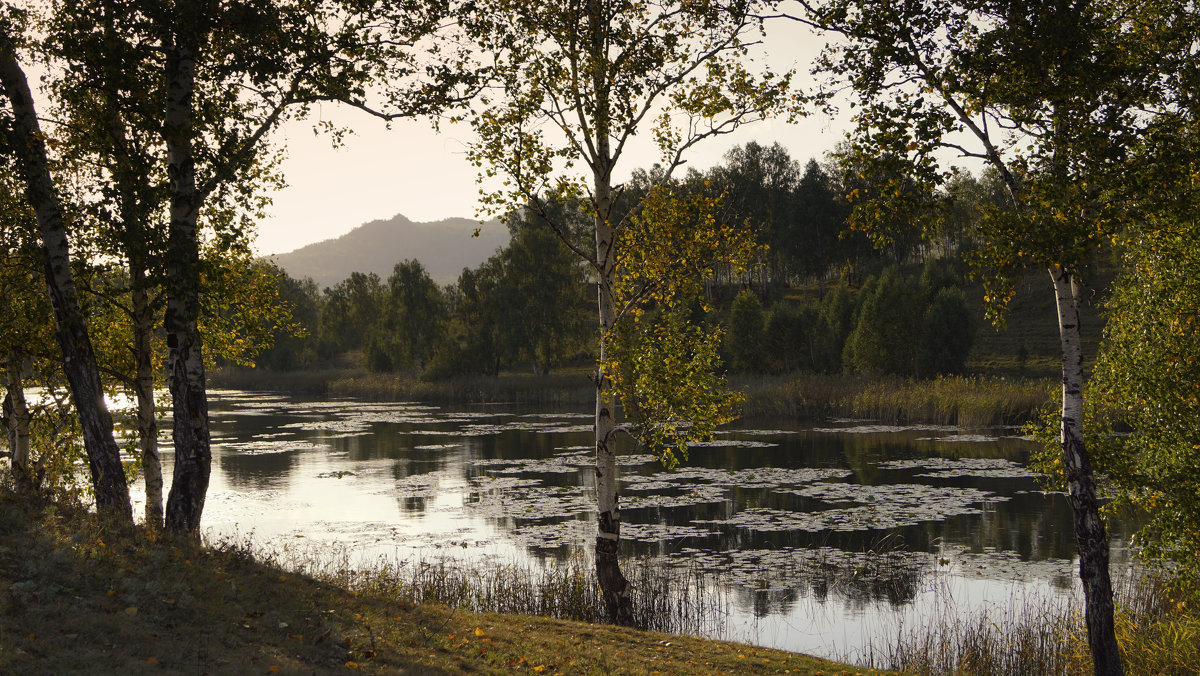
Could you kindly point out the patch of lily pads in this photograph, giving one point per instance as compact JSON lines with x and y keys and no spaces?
{"x":556,"y":464}
{"x":945,"y":468}
{"x":876,"y":507}
{"x":884,"y":429}
{"x":859,"y":576}
{"x":963,"y":438}
{"x":577,"y":533}
{"x":420,"y":485}
{"x":531,"y":502}
{"x":1005,"y":566}
{"x":758,"y":477}
{"x":269,"y":446}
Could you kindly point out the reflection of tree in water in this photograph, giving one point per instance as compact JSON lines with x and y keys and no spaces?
{"x":258,"y":470}
{"x":767,"y":601}
{"x":413,"y":504}
{"x":770,"y":581}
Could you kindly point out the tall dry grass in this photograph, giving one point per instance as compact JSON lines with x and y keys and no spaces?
{"x":952,"y":400}
{"x":667,"y":599}
{"x":1158,"y":633}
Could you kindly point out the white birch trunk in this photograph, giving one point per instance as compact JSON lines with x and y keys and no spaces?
{"x":613,"y":584}
{"x":147,"y":423}
{"x":17,"y":416}
{"x":79,"y":360}
{"x":1090,"y":537}
{"x":189,"y":401}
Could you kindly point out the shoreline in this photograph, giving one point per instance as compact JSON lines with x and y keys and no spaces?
{"x":966,"y":401}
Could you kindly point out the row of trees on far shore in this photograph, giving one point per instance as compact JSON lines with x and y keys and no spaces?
{"x":526,"y":309}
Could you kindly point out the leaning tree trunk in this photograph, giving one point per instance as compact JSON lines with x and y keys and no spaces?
{"x":17,"y":416}
{"x":1090,"y":537}
{"x":79,"y":361}
{"x":189,"y":400}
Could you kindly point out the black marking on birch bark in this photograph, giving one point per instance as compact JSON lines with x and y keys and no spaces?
{"x":610,"y":521}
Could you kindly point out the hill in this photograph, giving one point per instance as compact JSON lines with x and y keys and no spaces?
{"x":444,"y":247}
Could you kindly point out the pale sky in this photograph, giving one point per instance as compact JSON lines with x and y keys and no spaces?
{"x":424,"y":175}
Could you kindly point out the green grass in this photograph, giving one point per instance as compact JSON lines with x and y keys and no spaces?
{"x":77,"y":597}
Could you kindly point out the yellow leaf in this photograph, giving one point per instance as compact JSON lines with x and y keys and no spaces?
{"x":478,"y":631}
{"x":540,"y":668}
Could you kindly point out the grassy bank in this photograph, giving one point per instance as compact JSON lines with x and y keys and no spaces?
{"x":78,"y":596}
{"x":967,"y":401}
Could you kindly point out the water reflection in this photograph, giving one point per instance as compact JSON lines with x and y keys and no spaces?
{"x":857,"y":520}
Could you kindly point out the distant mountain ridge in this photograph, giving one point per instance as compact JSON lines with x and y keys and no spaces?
{"x":444,"y":247}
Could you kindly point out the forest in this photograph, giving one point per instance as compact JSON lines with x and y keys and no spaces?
{"x":990,"y":141}
{"x":796,"y":307}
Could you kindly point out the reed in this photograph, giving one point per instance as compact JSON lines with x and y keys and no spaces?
{"x":1157,"y":633}
{"x":953,"y":400}
{"x":572,"y":388}
{"x":312,"y":381}
{"x":667,"y":599}
{"x":956,"y":400}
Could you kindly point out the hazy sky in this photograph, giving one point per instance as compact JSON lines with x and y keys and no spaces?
{"x":424,"y":175}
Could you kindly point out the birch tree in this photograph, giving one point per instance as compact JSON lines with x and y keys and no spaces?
{"x":27,"y":145}
{"x":575,"y":83}
{"x":120,"y":196}
{"x":25,"y":326}
{"x":1050,"y":94}
{"x":225,"y":74}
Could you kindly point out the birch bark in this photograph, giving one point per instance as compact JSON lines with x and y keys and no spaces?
{"x":16,"y":415}
{"x":613,"y":584}
{"x":79,"y":360}
{"x":189,"y":399}
{"x":1091,"y":539}
{"x":147,"y":422}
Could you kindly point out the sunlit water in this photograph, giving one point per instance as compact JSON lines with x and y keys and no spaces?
{"x":827,"y":536}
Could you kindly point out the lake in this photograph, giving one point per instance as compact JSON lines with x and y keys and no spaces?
{"x":823,"y":534}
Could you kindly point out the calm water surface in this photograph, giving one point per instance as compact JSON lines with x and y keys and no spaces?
{"x":792,"y":514}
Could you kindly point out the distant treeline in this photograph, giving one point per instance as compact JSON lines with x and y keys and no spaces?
{"x":819,"y":297}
